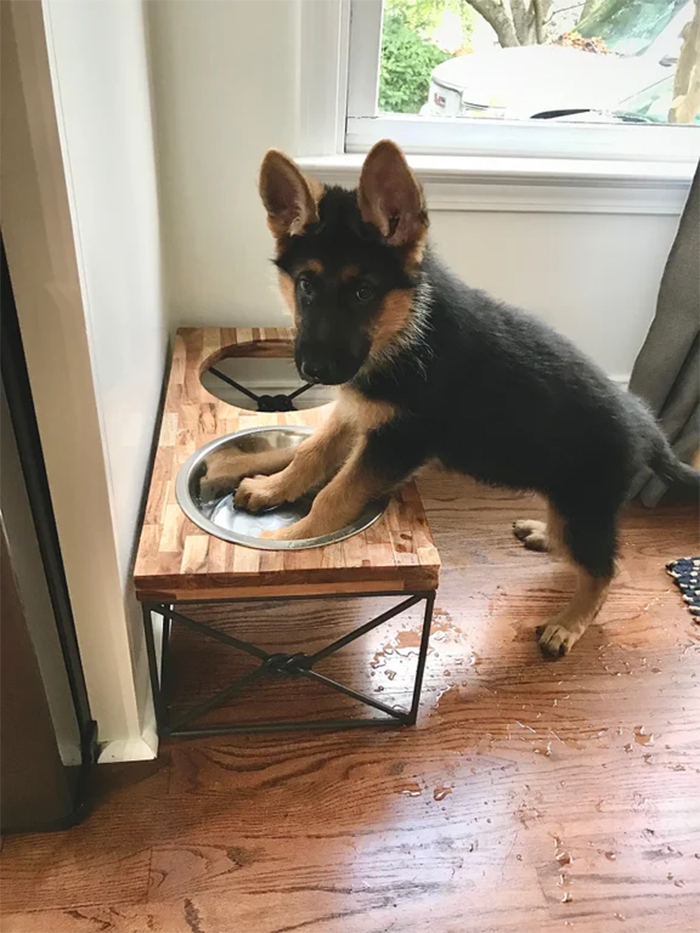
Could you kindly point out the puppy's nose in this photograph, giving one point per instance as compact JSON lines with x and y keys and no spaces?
{"x":312,"y":372}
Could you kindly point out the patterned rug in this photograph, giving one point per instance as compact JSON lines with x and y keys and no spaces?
{"x":686,"y":572}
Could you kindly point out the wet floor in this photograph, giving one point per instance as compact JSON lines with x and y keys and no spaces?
{"x":532,"y":794}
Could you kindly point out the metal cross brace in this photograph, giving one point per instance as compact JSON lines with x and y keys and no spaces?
{"x":265,"y":402}
{"x":300,"y":664}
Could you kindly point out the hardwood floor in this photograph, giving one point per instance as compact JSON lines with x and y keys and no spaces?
{"x":533,"y":795}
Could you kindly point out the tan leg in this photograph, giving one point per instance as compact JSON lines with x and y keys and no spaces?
{"x":314,"y":461}
{"x":227,"y":470}
{"x":339,"y":503}
{"x":561,"y":634}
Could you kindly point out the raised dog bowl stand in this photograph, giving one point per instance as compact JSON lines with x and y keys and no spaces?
{"x":179,"y":566}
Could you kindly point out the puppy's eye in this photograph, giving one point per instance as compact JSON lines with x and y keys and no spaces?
{"x":364,"y":292}
{"x":305,"y":285}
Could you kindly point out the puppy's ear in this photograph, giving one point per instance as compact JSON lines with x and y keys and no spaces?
{"x":287,"y":196}
{"x":390,"y":197}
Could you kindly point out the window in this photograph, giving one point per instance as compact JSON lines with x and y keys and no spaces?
{"x":606,"y":79}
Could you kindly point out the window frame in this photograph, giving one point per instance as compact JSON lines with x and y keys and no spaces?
{"x":464,"y":136}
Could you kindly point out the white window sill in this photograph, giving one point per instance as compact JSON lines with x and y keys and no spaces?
{"x":506,"y":183}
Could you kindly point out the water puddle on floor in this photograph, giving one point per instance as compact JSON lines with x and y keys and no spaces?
{"x":560,"y":853}
{"x":642,"y":737}
{"x":405,"y":644}
{"x":443,"y":628}
{"x":528,"y":815}
{"x":440,"y":790}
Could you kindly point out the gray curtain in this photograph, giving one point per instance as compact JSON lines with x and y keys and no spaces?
{"x":667,"y":371}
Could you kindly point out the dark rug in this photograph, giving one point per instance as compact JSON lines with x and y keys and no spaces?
{"x":686,"y":572}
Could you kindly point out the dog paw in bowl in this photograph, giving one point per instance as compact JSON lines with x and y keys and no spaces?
{"x":223,"y":470}
{"x":208,"y":490}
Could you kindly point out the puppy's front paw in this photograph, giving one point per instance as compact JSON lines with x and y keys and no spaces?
{"x":257,"y":493}
{"x":556,"y":639}
{"x":215,"y":487}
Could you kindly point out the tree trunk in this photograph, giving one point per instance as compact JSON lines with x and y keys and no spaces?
{"x":521,"y":21}
{"x":686,"y":86}
{"x":540,"y":10}
{"x":496,"y":16}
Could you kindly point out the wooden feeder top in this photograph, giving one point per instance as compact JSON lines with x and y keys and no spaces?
{"x":176,"y":560}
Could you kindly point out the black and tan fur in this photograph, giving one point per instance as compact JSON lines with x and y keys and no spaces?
{"x":432,"y":369}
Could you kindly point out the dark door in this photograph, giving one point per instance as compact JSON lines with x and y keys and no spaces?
{"x":47,"y":736}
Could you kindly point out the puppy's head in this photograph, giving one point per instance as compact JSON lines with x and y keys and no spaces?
{"x":348,"y":260}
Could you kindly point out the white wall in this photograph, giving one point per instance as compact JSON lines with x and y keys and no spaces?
{"x":225,"y":82}
{"x":101,"y":81}
{"x":101,"y":88}
{"x":594,"y":277}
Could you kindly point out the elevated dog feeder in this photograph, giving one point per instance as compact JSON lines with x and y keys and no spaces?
{"x":182,"y":570}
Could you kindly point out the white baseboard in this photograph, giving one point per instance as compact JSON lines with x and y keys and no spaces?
{"x":139,"y":748}
{"x":142,"y":747}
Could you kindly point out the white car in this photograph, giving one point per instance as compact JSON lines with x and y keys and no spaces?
{"x":550,"y":80}
{"x":650,"y":105}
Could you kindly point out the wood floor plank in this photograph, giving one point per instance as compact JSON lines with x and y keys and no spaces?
{"x":101,"y":861}
{"x":90,"y":874}
{"x":533,"y":795}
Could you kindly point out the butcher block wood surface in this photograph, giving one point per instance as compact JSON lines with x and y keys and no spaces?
{"x":532,"y":796}
{"x":176,"y":560}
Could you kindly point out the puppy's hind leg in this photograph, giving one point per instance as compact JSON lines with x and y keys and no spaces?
{"x":589,"y":543}
{"x":540,"y":536}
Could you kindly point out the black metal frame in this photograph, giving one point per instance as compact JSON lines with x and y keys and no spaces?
{"x":264,"y":402}
{"x":289,"y":665}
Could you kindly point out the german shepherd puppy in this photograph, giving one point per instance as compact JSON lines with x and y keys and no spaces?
{"x":430,"y":368}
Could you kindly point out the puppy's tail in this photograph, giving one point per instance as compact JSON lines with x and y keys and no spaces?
{"x":666,"y":464}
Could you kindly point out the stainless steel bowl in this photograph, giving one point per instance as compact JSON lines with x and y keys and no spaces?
{"x":215,"y":513}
